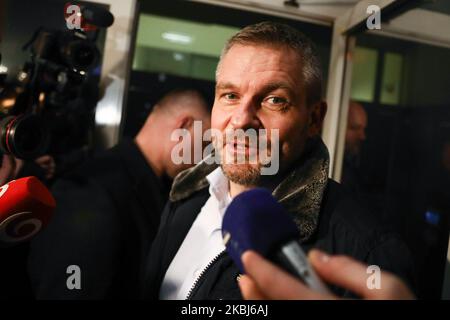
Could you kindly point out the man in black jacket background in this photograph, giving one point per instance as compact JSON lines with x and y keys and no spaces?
{"x":108,"y":210}
{"x":269,"y":77}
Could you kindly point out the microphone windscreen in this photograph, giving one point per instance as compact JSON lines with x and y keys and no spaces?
{"x":26,"y":206}
{"x":97,"y":16}
{"x":255,"y":220}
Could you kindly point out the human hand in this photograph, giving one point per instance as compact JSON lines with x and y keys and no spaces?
{"x":265,"y":280}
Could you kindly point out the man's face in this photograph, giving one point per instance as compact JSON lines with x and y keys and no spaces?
{"x":262,"y":88}
{"x":198,"y":122}
{"x":356,"y":129}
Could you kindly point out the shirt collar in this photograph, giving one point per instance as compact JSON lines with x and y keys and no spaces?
{"x":219,"y":189}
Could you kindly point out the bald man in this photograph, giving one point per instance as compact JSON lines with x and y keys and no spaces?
{"x":356,"y":128}
{"x":108,"y":210}
{"x":354,"y":138}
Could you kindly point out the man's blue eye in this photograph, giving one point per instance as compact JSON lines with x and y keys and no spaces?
{"x":230,"y":96}
{"x":276,"y":100}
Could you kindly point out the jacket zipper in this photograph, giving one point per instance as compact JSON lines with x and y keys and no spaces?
{"x":202,"y":274}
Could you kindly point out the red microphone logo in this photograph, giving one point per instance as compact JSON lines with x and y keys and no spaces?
{"x":26,"y":206}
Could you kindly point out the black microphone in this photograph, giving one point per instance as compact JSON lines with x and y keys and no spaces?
{"x":97,"y":16}
{"x":254,"y":220}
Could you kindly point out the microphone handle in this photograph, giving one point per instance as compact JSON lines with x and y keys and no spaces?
{"x":292,"y":258}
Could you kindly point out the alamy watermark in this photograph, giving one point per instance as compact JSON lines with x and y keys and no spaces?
{"x":374,"y":20}
{"x":73,"y":281}
{"x":73,"y":14}
{"x":234,"y":146}
{"x":374,"y":278}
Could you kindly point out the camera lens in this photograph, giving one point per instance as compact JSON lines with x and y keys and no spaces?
{"x":81,"y":55}
{"x":23,"y":136}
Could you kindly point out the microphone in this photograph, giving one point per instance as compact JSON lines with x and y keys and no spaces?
{"x":26,"y":206}
{"x":97,"y":16}
{"x":255,"y":220}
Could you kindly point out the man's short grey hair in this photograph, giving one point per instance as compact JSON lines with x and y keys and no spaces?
{"x":275,"y":35}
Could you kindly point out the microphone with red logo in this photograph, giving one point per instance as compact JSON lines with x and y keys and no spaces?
{"x":26,"y":206}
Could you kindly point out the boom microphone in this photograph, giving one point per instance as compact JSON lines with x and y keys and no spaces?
{"x":254,"y":220}
{"x":97,"y":16}
{"x":26,"y":206}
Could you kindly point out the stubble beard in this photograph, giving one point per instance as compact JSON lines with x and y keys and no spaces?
{"x":243,"y":174}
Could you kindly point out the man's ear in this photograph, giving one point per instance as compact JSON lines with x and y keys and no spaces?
{"x":316,"y":115}
{"x":185,"y":122}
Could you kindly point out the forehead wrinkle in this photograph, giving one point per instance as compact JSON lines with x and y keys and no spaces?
{"x":245,"y":66}
{"x":256,"y":55}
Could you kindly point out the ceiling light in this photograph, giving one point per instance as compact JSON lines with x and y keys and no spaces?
{"x":177,"y":37}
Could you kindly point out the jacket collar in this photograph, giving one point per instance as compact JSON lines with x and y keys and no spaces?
{"x":300,"y":192}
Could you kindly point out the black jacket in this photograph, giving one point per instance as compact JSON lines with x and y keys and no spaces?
{"x":344,"y":227}
{"x":107,"y":214}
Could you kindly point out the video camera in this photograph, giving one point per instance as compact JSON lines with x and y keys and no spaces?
{"x":51,"y":102}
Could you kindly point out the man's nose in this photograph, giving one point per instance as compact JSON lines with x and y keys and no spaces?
{"x":245,"y":116}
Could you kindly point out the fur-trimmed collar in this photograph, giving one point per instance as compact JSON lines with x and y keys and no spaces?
{"x":300,"y":192}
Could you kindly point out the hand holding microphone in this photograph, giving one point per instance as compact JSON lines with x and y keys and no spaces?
{"x":254,"y":220}
{"x":26,"y":206}
{"x":256,"y":224}
{"x":265,"y":281}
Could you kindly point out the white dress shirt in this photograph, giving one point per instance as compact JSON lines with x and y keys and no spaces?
{"x":202,"y":244}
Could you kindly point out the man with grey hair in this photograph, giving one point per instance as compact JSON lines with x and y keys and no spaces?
{"x":269,"y":78}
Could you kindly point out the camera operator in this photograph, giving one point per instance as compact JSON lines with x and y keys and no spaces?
{"x":47,"y":110}
{"x":47,"y":114}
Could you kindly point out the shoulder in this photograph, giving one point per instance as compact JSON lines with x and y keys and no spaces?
{"x":90,"y":192}
{"x":342,"y":209}
{"x":106,"y":170}
{"x":349,"y":227}
{"x":105,"y":161}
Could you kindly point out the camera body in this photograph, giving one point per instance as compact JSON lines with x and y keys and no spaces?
{"x":49,"y":100}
